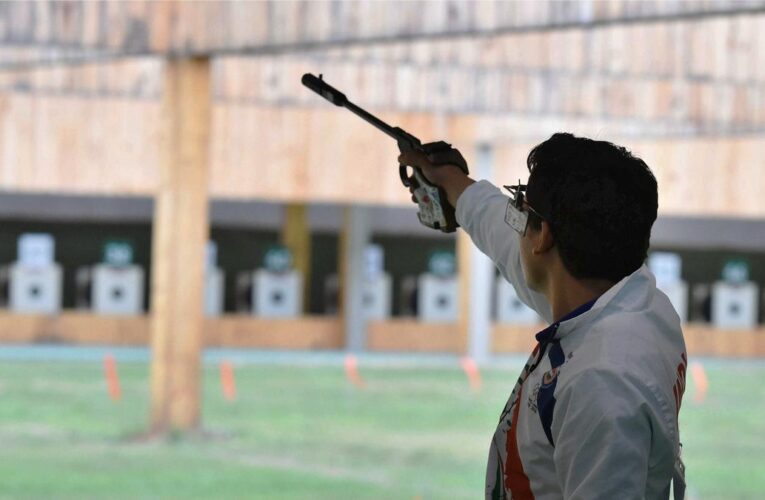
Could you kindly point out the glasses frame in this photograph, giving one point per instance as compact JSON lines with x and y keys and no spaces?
{"x":517,"y":212}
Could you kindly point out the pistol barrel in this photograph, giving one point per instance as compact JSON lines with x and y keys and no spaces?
{"x":318,"y":85}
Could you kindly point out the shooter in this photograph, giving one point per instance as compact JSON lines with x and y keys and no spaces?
{"x":594,"y":414}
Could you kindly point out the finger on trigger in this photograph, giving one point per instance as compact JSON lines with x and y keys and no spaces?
{"x":413,"y":158}
{"x":406,"y":158}
{"x":406,"y":155}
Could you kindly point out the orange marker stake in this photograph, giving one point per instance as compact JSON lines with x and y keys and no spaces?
{"x":227,"y":381}
{"x":700,"y":382}
{"x":471,"y":370}
{"x":352,"y":372}
{"x":112,"y":379}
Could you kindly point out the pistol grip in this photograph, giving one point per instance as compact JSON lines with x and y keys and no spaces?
{"x":434,"y":210}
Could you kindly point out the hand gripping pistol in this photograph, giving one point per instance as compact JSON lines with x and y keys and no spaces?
{"x":434,"y":208}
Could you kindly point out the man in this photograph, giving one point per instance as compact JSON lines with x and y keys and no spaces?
{"x":594,"y":412}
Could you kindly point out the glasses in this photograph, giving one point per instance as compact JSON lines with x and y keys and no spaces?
{"x":517,"y":213}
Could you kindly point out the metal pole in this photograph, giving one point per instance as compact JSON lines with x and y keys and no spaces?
{"x":481,"y":280}
{"x":356,"y":238}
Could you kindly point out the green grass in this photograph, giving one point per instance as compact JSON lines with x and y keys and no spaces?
{"x":304,"y":432}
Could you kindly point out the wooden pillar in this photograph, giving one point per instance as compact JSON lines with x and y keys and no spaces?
{"x":180,"y":232}
{"x":296,"y":236}
{"x":476,"y":281}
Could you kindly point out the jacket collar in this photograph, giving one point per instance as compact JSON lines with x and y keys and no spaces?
{"x":549,"y":333}
{"x":631,"y":293}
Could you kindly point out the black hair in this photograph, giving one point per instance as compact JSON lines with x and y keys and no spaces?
{"x":599,"y":200}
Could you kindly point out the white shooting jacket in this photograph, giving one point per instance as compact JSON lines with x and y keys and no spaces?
{"x":594,"y":414}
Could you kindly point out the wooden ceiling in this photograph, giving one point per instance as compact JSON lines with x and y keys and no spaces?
{"x":646,"y":68}
{"x":164,"y":27}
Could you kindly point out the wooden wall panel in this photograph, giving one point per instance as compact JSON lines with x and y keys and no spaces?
{"x":298,"y":155}
{"x":69,"y":145}
{"x":713,"y":177}
{"x":410,"y":335}
{"x":514,"y":339}
{"x":700,"y":340}
{"x":669,"y":77}
{"x":134,"y":78}
{"x":696,"y":177}
{"x":706,"y":341}
{"x":85,"y":328}
{"x":302,"y":333}
{"x":674,"y":101}
{"x":74,"y":327}
{"x":110,"y":147}
{"x":325,"y":333}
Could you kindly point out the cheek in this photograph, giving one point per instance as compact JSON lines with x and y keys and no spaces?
{"x":526,"y":263}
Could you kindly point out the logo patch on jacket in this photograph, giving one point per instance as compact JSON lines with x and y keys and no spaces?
{"x":549,"y":377}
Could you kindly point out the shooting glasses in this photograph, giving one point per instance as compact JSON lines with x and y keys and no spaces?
{"x":517,"y":215}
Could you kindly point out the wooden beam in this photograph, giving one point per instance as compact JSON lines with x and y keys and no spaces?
{"x":296,"y":236}
{"x":180,"y":233}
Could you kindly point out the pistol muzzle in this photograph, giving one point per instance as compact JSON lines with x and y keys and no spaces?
{"x":327,"y":91}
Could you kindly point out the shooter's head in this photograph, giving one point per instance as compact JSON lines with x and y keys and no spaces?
{"x":599,"y":202}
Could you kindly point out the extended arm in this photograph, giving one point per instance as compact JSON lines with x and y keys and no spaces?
{"x":480,"y":210}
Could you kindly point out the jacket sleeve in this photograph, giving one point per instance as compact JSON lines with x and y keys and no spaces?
{"x":481,"y":213}
{"x":602,"y":433}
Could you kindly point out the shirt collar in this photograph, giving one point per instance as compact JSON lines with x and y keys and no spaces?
{"x":548,"y":333}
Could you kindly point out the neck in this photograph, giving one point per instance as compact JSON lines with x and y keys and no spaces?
{"x":568,"y":293}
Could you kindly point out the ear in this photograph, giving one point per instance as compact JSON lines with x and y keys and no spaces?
{"x":544,"y":240}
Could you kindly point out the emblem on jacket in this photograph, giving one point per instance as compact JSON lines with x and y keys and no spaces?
{"x":549,"y":377}
{"x":531,"y":403}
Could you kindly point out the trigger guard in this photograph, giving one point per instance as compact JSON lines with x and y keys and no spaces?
{"x":403,"y":175}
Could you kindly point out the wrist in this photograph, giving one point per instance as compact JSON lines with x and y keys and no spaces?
{"x":456,"y":185}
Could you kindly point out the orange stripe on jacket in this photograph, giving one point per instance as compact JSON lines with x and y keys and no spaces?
{"x":515,"y":479}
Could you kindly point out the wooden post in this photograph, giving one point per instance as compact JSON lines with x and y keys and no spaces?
{"x":180,"y":231}
{"x":297,"y":237}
